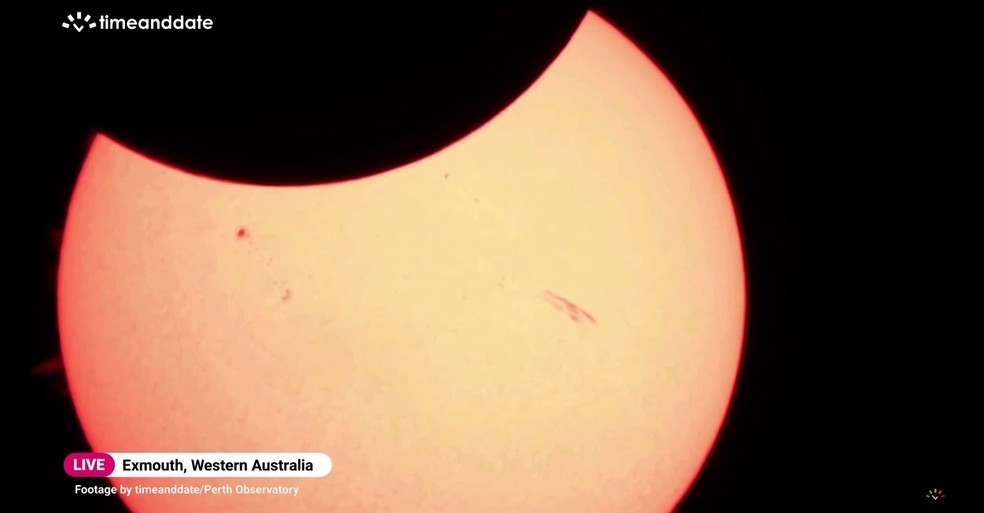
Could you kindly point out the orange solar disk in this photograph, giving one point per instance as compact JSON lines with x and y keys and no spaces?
{"x":545,"y":316}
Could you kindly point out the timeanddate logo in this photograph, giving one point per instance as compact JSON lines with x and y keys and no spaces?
{"x":79,"y":21}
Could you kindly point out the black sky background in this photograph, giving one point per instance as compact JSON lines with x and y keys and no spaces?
{"x":844,"y":136}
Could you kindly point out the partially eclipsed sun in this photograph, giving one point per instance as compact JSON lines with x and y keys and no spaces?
{"x":545,"y":316}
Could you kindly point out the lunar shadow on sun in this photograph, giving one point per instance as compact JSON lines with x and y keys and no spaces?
{"x":409,"y":95}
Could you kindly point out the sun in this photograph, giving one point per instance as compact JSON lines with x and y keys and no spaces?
{"x":546,"y":315}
